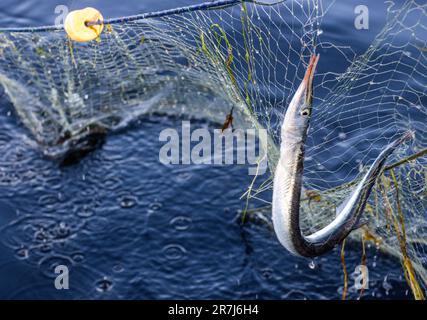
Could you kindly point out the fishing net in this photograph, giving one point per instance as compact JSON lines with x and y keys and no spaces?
{"x":252,"y":56}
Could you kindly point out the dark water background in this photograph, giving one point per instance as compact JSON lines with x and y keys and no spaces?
{"x":129,"y":227}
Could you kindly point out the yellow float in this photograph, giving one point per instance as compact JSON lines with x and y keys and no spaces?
{"x":84,"y":25}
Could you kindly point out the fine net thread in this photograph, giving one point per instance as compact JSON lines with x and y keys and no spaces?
{"x":250,"y":56}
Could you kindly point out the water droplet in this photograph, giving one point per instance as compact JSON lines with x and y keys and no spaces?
{"x":78,"y":257}
{"x":62,"y":230}
{"x":104,"y":285}
{"x":84,"y":212}
{"x":174,"y":251}
{"x":41,"y":235}
{"x":46,"y":247}
{"x":386,"y":285}
{"x":111,"y":184}
{"x":155,"y":206}
{"x":127,"y":201}
{"x":181,"y":223}
{"x":118,"y":268}
{"x":22,"y":253}
{"x":48,"y":199}
{"x":184,"y":176}
{"x":48,"y":264}
{"x":267,"y":273}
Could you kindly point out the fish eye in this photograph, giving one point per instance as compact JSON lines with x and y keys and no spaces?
{"x":305,"y":112}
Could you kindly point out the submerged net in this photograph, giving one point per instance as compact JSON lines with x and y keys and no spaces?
{"x":251,"y":56}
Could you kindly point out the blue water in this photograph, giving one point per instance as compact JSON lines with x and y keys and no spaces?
{"x":130,"y":227}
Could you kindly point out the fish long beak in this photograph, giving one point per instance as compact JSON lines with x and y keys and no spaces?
{"x":308,"y":78}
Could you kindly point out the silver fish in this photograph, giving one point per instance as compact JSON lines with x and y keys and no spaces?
{"x":288,"y":181}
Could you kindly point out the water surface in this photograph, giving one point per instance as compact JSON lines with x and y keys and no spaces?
{"x":130,"y":227}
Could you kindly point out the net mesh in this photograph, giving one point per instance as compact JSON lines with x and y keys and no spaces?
{"x":200,"y":63}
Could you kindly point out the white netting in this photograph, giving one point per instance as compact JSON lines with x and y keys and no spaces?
{"x":251,"y":56}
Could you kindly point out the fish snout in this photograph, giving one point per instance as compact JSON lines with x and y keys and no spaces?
{"x":308,"y":79}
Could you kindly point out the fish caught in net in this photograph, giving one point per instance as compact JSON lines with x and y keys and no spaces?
{"x":249,"y":56}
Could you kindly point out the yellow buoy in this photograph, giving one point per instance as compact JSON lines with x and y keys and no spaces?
{"x":84,"y":25}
